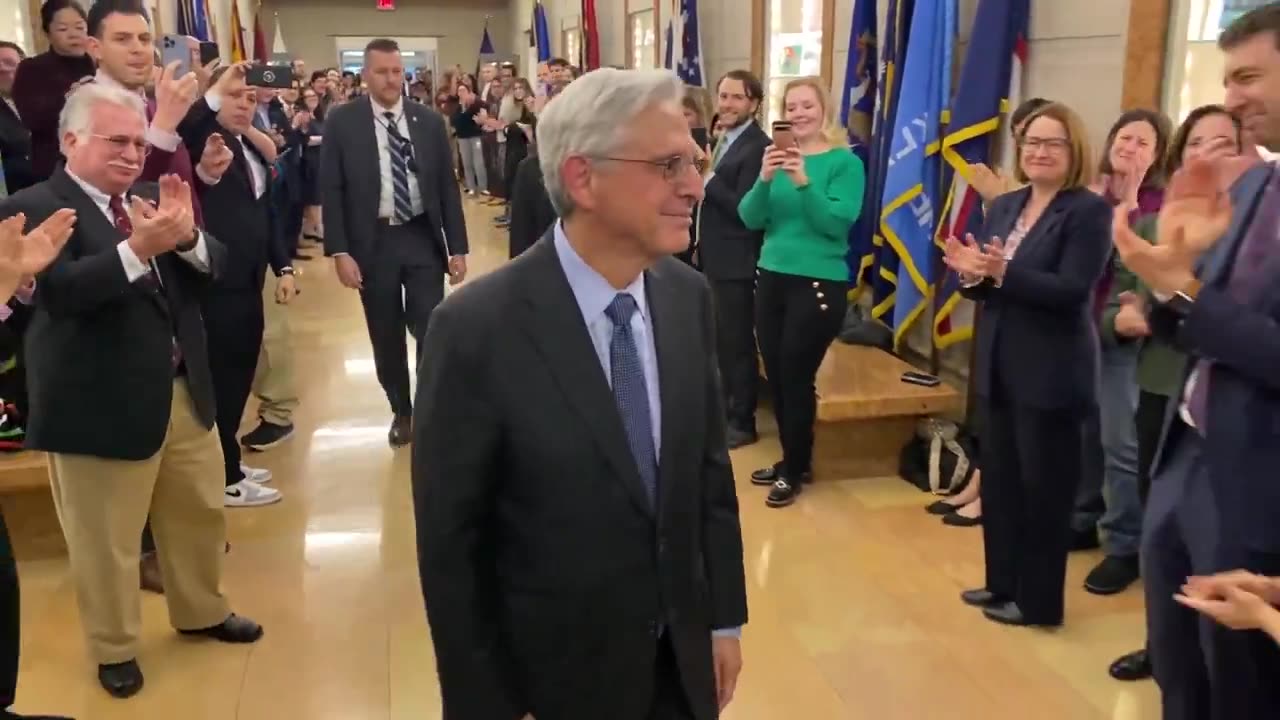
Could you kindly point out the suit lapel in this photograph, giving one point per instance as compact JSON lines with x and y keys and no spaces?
{"x":672,"y":334}
{"x":1246,"y":195}
{"x":741,"y":145}
{"x":366,"y":146}
{"x":555,"y":325}
{"x":422,"y":147}
{"x":241,"y":163}
{"x":1045,"y":225}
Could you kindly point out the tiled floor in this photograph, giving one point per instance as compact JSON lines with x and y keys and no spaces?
{"x":853,"y":591}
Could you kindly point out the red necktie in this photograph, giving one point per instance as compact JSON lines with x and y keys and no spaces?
{"x":151,"y":280}
{"x":120,"y":216}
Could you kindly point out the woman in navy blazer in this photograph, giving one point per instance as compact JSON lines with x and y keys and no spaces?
{"x":1042,"y":251}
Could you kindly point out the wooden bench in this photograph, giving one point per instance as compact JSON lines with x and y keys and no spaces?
{"x":28,"y":506}
{"x":866,"y":413}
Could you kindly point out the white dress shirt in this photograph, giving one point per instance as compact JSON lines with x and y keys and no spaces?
{"x":135,"y":267}
{"x":257,"y":171}
{"x":386,"y":196}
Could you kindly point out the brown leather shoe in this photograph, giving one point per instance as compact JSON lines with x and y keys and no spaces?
{"x":149,"y":576}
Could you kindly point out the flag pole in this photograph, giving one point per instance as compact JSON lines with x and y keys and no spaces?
{"x":939,"y":268}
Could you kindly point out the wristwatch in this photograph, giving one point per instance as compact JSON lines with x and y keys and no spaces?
{"x":1183,"y":300}
{"x":190,"y":244}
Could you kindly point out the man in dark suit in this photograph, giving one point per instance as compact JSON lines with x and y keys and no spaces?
{"x":578,"y":536}
{"x":531,"y":211}
{"x":240,"y":210}
{"x":727,"y":251}
{"x":1214,"y":499}
{"x":392,"y":217}
{"x":15,"y":138}
{"x":117,"y":325}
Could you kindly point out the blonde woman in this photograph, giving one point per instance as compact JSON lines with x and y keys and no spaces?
{"x":807,"y":197}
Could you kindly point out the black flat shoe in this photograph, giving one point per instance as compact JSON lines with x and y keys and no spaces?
{"x":121,"y":680}
{"x":770,"y":475}
{"x":1132,"y":667}
{"x":1113,"y":575}
{"x":941,"y":507}
{"x":955,"y":519}
{"x":1008,"y":613}
{"x":234,"y":629}
{"x":980,"y":597}
{"x":783,"y":493}
{"x":401,"y":431}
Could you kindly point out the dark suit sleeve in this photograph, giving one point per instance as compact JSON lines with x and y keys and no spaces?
{"x":726,"y":195}
{"x":455,"y":482}
{"x":525,"y":198}
{"x":196,"y":128}
{"x":1235,"y":335}
{"x":1086,"y":246}
{"x":455,"y":226}
{"x":721,"y":529}
{"x":333,"y":187}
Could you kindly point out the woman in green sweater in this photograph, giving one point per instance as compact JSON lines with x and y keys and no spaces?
{"x":808,"y":196}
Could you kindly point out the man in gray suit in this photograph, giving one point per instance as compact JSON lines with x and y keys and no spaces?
{"x":393,"y":216}
{"x":577,"y":522}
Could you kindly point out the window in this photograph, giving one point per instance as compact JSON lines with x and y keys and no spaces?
{"x":1195,"y":65}
{"x":641,"y":40}
{"x":571,"y":41}
{"x":793,"y":47}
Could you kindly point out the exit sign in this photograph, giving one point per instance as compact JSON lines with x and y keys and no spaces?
{"x":386,"y":4}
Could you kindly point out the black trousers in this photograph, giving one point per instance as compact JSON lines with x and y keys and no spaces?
{"x":796,"y":320}
{"x":1030,"y":469}
{"x":233,"y":321}
{"x":403,"y":283}
{"x":10,"y":619}
{"x":1150,"y":422}
{"x":669,"y":699}
{"x":736,"y":346}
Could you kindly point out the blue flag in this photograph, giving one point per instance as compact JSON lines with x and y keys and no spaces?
{"x":991,"y":78}
{"x":541,"y":36}
{"x":857,"y":115}
{"x":684,"y":44}
{"x":911,"y":187}
{"x":882,"y":270}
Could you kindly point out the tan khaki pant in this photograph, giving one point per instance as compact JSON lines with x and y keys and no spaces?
{"x":273,"y":381}
{"x":102,"y":504}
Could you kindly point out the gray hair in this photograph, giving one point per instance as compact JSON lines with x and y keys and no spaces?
{"x":77,"y":114}
{"x":590,"y":116}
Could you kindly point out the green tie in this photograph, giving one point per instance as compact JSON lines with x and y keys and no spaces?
{"x":715,"y":154}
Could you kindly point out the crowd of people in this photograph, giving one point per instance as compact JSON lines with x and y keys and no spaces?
{"x":1124,"y":367}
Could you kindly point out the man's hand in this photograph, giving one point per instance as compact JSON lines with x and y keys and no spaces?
{"x":1216,"y":586}
{"x":42,"y":245}
{"x":1131,"y":320}
{"x":726,"y":654}
{"x":157,"y":230}
{"x":174,"y":96}
{"x":349,"y":272}
{"x":204,"y":75}
{"x":286,"y":289}
{"x":231,"y":80}
{"x":12,"y":273}
{"x":216,"y":157}
{"x":457,"y":269}
{"x":1238,"y":609}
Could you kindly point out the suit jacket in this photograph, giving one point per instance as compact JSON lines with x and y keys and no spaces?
{"x":531,"y":211}
{"x":728,"y":250}
{"x":1037,"y":345}
{"x":351,"y":180}
{"x":246,"y":224}
{"x":99,"y":349}
{"x":546,"y":572}
{"x":1242,"y":429}
{"x":15,"y":148}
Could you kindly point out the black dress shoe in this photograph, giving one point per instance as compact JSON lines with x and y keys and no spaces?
{"x":770,"y":475}
{"x":941,"y":507}
{"x":783,"y":493}
{"x":10,"y":715}
{"x":401,"y":431}
{"x":1112,"y":575}
{"x":121,"y":680}
{"x":234,"y":629}
{"x":1008,"y":613}
{"x":1134,"y":666}
{"x":980,"y":597}
{"x":955,"y":519}
{"x":741,"y":438}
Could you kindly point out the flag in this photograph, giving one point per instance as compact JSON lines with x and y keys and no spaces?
{"x":911,"y":184}
{"x":881,"y":273}
{"x":193,"y":19}
{"x":684,"y":43}
{"x":857,"y":115}
{"x":990,"y":80}
{"x":277,"y":42}
{"x":541,"y":36}
{"x":486,"y":51}
{"x":237,"y":34}
{"x":590,"y":36}
{"x":259,"y":38}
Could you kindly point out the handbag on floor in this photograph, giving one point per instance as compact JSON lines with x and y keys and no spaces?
{"x":939,"y":458}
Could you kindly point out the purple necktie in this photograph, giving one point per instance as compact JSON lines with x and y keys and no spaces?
{"x":1260,"y":244}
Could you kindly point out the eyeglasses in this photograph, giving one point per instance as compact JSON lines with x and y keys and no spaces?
{"x":1049,"y":144}
{"x":120,"y":143}
{"x":672,"y":168}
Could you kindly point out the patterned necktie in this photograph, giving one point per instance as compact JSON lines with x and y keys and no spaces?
{"x":629,"y":391}
{"x":150,"y":281}
{"x":398,"y":148}
{"x":1248,"y":272}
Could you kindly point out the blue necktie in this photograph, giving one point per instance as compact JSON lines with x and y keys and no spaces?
{"x":397,"y":147}
{"x":629,"y":391}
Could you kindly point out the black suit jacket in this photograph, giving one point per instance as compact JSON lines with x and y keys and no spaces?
{"x":727,"y":249}
{"x":1037,"y":342}
{"x":15,"y":148}
{"x":351,"y":180}
{"x":99,"y":348}
{"x":245,"y":224}
{"x":546,"y":572}
{"x":531,"y":211}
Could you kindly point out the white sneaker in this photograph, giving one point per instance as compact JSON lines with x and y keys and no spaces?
{"x":260,"y":476}
{"x":247,"y":493}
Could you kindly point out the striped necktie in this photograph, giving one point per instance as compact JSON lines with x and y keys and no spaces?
{"x":398,"y":148}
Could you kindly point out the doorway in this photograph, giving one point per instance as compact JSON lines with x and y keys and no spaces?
{"x":418,"y":54}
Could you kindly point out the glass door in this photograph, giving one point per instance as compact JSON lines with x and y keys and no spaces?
{"x":793,"y":47}
{"x":641,"y":40}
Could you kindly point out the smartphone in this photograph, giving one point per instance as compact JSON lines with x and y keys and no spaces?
{"x":915,"y":377}
{"x":782,"y":137}
{"x":208,"y":52}
{"x":700,"y":137}
{"x":181,"y":49}
{"x":270,"y":76}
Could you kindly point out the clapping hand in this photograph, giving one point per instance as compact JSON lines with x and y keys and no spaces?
{"x":22,"y":256}
{"x":216,"y":157}
{"x":965,"y":257}
{"x":159,"y":229}
{"x":1131,"y":320}
{"x":1238,"y":599}
{"x":989,"y":183}
{"x":1196,"y":212}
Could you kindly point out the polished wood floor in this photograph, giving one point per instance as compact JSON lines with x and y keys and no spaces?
{"x":853,"y":591}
